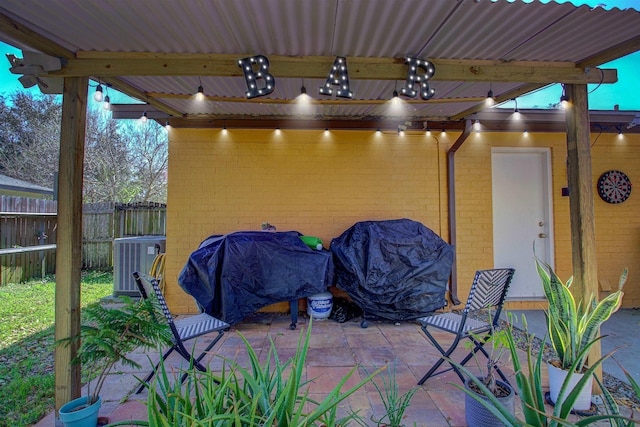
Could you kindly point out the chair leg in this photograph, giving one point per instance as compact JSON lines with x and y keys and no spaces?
{"x":155,"y":369}
{"x":445,"y":354}
{"x":196,"y":361}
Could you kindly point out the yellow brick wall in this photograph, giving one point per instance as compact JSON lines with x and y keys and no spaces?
{"x":322,"y":184}
{"x":307,"y":181}
{"x":617,"y":226}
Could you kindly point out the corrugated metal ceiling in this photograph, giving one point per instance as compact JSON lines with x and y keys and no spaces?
{"x":443,"y":29}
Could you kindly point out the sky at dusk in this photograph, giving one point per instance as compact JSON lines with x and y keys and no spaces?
{"x":625,"y":93}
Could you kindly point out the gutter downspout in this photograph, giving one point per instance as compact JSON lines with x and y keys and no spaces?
{"x":451,"y":179}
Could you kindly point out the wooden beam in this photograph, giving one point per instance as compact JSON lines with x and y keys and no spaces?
{"x":134,"y":92}
{"x":498,"y":99}
{"x":69,"y":237}
{"x":583,"y":236}
{"x":158,"y":95}
{"x":615,"y":52}
{"x":28,"y":37}
{"x":103,"y":64}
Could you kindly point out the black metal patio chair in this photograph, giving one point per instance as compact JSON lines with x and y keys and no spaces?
{"x":182,"y":329}
{"x":488,"y":291}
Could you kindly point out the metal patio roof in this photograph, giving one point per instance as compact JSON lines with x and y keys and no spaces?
{"x":160,"y":51}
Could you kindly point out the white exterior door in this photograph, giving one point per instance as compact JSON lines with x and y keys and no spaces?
{"x":522,"y":215}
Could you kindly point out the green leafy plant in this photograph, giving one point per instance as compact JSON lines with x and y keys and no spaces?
{"x":108,"y":335}
{"x":269,"y":394}
{"x":496,"y":344}
{"x":610,"y":405}
{"x":531,"y":393}
{"x":573,"y":326}
{"x":395,"y":404}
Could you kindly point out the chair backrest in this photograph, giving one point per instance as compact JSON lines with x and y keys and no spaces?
{"x":149,"y":288}
{"x":489,"y":289}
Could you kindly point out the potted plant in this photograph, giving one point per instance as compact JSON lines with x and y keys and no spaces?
{"x":530,"y":391}
{"x":107,"y":336}
{"x":476,"y":414}
{"x":573,"y":326}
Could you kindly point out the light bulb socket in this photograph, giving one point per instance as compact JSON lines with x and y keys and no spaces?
{"x":201,"y":89}
{"x":490,"y":94}
{"x":303,"y":90}
{"x":395,"y":93}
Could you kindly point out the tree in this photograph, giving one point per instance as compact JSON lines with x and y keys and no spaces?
{"x":107,"y":167}
{"x":125,"y":161}
{"x":148,"y":144}
{"x":30,"y":137}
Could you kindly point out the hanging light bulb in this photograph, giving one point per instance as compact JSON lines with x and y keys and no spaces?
{"x":97,"y":96}
{"x":490,"y":101}
{"x":428,"y":132}
{"x":303,"y":90}
{"x":525,"y":133}
{"x":444,"y":132}
{"x":564,"y":101}
{"x":476,"y":125}
{"x":200,"y":94}
{"x":144,"y":117}
{"x":378,"y":132}
{"x":107,"y":103}
{"x":516,"y":111}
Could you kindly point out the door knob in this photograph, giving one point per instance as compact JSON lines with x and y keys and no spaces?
{"x":542,"y":235}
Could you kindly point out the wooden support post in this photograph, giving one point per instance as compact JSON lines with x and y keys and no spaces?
{"x":69,"y":237}
{"x":583,"y":236}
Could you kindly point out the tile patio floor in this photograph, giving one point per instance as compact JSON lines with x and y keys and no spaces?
{"x":334,"y":350}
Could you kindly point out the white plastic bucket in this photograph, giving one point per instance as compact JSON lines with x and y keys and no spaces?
{"x":319,"y":305}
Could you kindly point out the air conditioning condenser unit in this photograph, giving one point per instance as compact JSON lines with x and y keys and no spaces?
{"x":133,"y":254}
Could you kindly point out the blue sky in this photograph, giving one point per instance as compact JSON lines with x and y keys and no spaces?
{"x":625,"y":93}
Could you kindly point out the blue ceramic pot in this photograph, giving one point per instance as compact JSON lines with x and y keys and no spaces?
{"x":77,"y":414}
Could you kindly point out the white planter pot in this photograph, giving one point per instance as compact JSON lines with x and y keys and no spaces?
{"x":557,"y":377}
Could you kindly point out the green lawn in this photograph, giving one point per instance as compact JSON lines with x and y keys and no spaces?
{"x":26,"y":345}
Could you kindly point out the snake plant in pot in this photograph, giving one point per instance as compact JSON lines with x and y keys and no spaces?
{"x":573,"y":327}
{"x":108,"y":334}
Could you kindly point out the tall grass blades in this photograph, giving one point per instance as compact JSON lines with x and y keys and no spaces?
{"x":273,"y":393}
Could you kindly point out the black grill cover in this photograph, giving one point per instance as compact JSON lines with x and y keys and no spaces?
{"x":394,"y":270}
{"x":232,"y":276}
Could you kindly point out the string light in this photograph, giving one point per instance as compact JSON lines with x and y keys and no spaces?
{"x":97,"y":96}
{"x":476,"y":125}
{"x":444,"y":132}
{"x":516,"y":111}
{"x":144,"y":117}
{"x":378,"y":132}
{"x":490,"y":101}
{"x":107,"y":103}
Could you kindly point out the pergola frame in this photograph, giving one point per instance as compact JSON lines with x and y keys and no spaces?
{"x":109,"y":66}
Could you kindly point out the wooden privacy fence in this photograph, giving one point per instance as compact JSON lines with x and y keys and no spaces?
{"x":103,"y":222}
{"x":27,"y":238}
{"x":28,"y":234}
